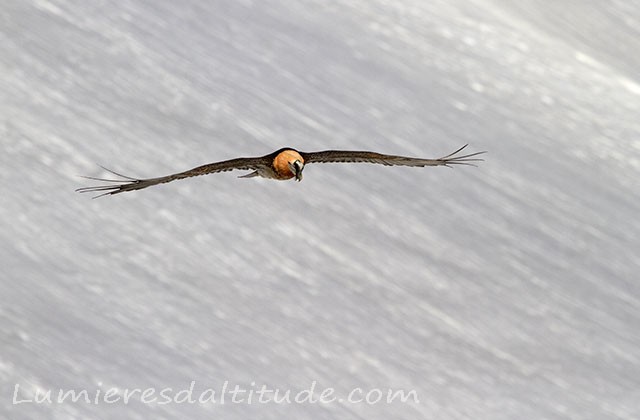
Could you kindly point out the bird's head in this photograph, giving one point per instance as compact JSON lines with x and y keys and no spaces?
{"x":296,"y":166}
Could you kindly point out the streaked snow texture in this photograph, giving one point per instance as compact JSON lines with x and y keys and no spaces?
{"x":507,"y":291}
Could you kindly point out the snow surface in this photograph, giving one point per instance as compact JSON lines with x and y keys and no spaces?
{"x":506,"y":291}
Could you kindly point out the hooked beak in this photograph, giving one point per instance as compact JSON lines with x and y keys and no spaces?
{"x":297,"y":167}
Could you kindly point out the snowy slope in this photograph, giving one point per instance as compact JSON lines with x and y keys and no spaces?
{"x":499,"y":292}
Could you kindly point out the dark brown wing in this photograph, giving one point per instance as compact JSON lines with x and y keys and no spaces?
{"x":333,"y":156}
{"x":127,"y":183}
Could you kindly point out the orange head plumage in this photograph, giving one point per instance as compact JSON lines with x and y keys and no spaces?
{"x":289,"y":164}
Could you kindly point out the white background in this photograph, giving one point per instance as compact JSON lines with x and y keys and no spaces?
{"x":499,"y":292}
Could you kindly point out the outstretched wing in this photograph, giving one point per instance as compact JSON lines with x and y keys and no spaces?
{"x":334,"y":156}
{"x":126,"y":183}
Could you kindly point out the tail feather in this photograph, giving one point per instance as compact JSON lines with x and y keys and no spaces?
{"x":250,"y":175}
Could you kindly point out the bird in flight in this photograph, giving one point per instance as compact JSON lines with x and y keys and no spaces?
{"x":283,"y":164}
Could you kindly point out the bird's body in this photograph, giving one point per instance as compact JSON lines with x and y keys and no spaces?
{"x":283,"y":164}
{"x":279,"y":167}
